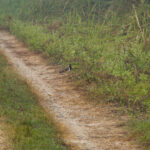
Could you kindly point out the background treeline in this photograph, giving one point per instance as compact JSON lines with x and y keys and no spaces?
{"x":106,"y":41}
{"x":39,"y":9}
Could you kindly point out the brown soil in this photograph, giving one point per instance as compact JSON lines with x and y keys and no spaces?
{"x":91,"y":127}
{"x":4,"y":144}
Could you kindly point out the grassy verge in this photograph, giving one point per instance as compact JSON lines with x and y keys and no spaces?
{"x":29,"y":127}
{"x":141,"y":131}
{"x":107,"y":44}
{"x":106,"y":74}
{"x":113,"y":68}
{"x":110,"y":55}
{"x":122,"y":86}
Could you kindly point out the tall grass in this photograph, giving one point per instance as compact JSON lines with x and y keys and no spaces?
{"x":110,"y":51}
{"x":107,"y":44}
{"x":117,"y":65}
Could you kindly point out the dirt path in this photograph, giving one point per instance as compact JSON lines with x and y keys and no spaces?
{"x":2,"y":139}
{"x":91,"y":127}
{"x":4,"y":144}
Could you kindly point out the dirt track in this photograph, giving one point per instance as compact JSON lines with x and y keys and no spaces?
{"x":90,"y":127}
{"x":4,"y":144}
{"x":2,"y":140}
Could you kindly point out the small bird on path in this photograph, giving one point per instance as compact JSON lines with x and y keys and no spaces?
{"x":69,"y":68}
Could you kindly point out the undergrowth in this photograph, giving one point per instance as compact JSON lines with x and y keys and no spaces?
{"x":141,"y":128}
{"x":29,"y":127}
{"x":107,"y":44}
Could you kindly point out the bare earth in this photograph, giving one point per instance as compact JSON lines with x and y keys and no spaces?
{"x":4,"y":144}
{"x":2,"y":140}
{"x":89,"y":127}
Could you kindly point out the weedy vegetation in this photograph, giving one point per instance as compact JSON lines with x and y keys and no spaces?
{"x":106,"y":41}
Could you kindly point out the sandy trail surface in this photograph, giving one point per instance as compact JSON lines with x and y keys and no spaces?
{"x":89,"y":127}
{"x":4,"y":143}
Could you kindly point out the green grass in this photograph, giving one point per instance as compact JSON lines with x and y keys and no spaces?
{"x":105,"y":73}
{"x":119,"y":73}
{"x":100,"y":38}
{"x":141,"y":129}
{"x":29,"y":126}
{"x":109,"y":55}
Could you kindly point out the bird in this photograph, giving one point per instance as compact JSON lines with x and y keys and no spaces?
{"x":69,"y":68}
